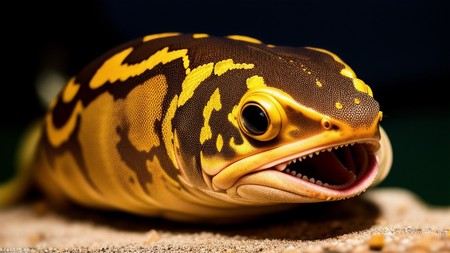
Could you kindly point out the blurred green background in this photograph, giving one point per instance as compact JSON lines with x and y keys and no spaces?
{"x":399,"y":48}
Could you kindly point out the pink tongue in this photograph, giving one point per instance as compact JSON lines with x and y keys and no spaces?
{"x":329,"y":169}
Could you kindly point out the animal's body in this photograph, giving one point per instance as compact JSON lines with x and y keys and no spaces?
{"x":203,"y":128}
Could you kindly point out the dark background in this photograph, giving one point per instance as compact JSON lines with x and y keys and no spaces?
{"x":399,"y":48}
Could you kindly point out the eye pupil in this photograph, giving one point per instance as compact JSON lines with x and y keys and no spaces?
{"x":255,"y":119}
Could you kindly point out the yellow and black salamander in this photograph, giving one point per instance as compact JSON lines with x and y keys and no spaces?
{"x":195,"y":127}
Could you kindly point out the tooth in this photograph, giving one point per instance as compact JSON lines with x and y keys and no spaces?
{"x":312,"y":180}
{"x":310,"y":155}
{"x":326,"y":185}
{"x":287,"y":171}
{"x":329,"y":149}
{"x":299,"y":159}
{"x":299,"y":175}
{"x":336,"y":147}
{"x":281,"y":166}
{"x":304,"y":157}
{"x":294,"y":161}
{"x":293,"y":173}
{"x":317,"y":152}
{"x":319,"y":182}
{"x":305,"y":178}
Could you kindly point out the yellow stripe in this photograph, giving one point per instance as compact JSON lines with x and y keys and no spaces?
{"x":244,"y":38}
{"x":70,"y":91}
{"x":193,"y":80}
{"x":144,"y":100}
{"x":361,"y":86}
{"x":57,"y":136}
{"x":213,"y":104}
{"x":186,"y":61}
{"x":200,"y":35}
{"x":113,"y":69}
{"x":219,"y":142}
{"x":167,"y":130}
{"x":223,"y":66}
{"x":158,"y":36}
{"x":255,"y":82}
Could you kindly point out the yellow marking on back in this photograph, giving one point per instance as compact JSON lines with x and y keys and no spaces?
{"x":244,"y":38}
{"x":348,"y":72}
{"x":186,"y":63}
{"x":140,"y":101}
{"x":167,"y":130}
{"x":223,"y":66}
{"x":339,"y":105}
{"x":361,"y":86}
{"x":255,"y":82}
{"x":357,"y":101}
{"x":219,"y":142}
{"x":193,"y":80}
{"x":158,"y":36}
{"x":305,"y":69}
{"x":57,"y":136}
{"x":213,"y":104}
{"x":318,"y":83}
{"x":70,"y":91}
{"x":200,"y":35}
{"x":113,"y":69}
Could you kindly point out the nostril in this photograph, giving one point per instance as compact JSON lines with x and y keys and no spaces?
{"x":326,"y":123}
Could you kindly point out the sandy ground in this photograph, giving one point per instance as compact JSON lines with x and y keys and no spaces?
{"x":381,"y":220}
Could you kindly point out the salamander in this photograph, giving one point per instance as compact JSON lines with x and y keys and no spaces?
{"x":195,"y":127}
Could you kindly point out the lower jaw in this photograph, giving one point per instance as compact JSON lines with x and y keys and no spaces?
{"x":272,"y":186}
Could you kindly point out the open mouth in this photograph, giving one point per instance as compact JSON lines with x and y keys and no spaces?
{"x":329,"y":172}
{"x":334,"y":168}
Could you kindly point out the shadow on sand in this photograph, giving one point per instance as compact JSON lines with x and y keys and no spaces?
{"x":305,"y":222}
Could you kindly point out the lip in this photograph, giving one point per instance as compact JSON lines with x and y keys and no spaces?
{"x":339,"y":170}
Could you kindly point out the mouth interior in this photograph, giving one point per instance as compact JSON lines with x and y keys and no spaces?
{"x":334,"y":168}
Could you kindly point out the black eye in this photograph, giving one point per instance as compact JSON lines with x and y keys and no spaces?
{"x":255,"y":119}
{"x":260,"y":116}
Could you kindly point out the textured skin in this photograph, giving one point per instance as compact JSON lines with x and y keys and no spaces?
{"x":154,"y":127}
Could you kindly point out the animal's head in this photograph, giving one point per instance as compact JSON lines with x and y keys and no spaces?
{"x":279,"y":125}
